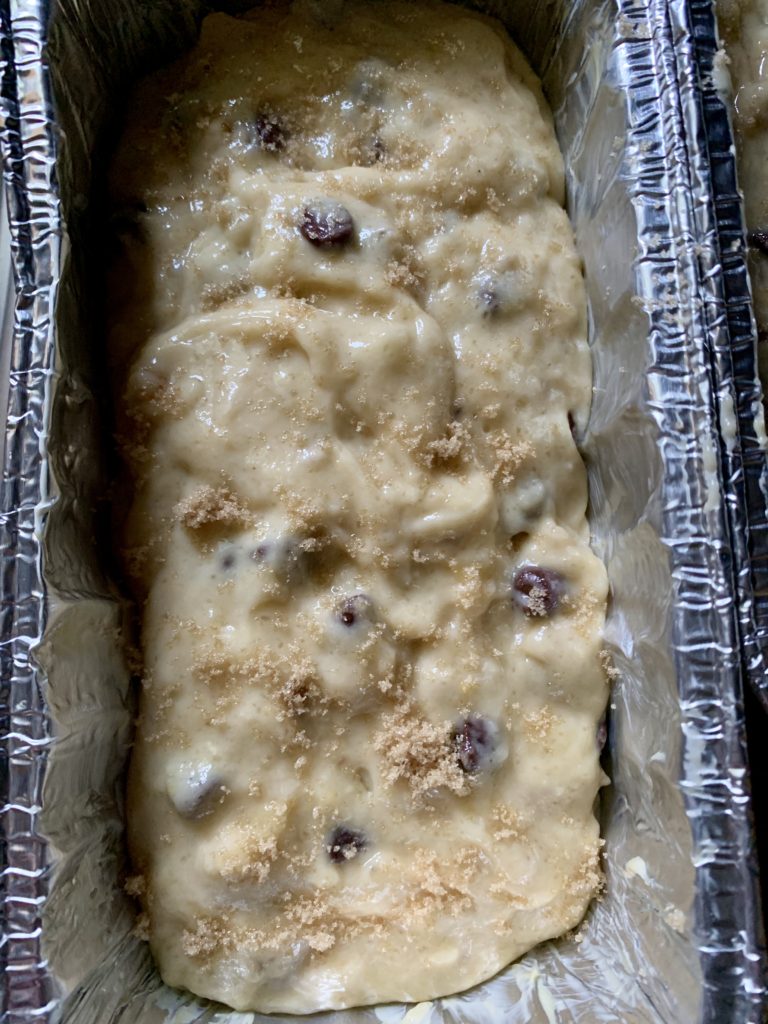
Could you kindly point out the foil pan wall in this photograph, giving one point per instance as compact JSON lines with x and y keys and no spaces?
{"x":732,"y":330}
{"x":677,"y":485}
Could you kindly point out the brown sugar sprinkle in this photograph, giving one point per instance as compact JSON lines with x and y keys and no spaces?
{"x":249,"y":857}
{"x":506,"y":823}
{"x":211,"y":505}
{"x":214,"y":295}
{"x":509,"y":456}
{"x":224,"y":671}
{"x":142,"y":928}
{"x":300,"y":694}
{"x":610,"y":670}
{"x":537,"y":725}
{"x":586,"y":605}
{"x":135,"y":886}
{"x":207,"y":937}
{"x":441,"y":888}
{"x":150,"y":393}
{"x":454,"y":447}
{"x":588,"y":877}
{"x":418,"y":753}
{"x":405,"y":270}
{"x":470,"y":589}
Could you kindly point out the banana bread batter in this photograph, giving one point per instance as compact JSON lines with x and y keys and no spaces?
{"x":348,"y":333}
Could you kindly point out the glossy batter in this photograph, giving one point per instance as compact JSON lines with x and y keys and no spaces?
{"x":744,"y":24}
{"x":349,"y":326}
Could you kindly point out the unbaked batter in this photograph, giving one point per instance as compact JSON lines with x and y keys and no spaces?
{"x":744,"y":24}
{"x":349,"y":322}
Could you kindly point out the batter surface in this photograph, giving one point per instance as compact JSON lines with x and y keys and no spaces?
{"x":349,"y":338}
{"x":744,"y":24}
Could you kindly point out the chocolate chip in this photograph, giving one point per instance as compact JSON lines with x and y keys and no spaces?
{"x":196,"y":791}
{"x":374,"y":152}
{"x":489,"y":300}
{"x":227,"y":559}
{"x":355,"y":609}
{"x":575,"y":432}
{"x":285,"y":556}
{"x":602,"y":733}
{"x":536,"y":590}
{"x":345,"y":843}
{"x":475,"y":742}
{"x":327,"y":224}
{"x":758,"y":239}
{"x":371,"y":151}
{"x":271,"y":133}
{"x":500,"y":293}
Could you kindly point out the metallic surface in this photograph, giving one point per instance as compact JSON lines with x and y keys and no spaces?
{"x":678,"y":511}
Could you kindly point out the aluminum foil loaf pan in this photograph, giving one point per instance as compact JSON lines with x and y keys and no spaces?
{"x":678,"y":497}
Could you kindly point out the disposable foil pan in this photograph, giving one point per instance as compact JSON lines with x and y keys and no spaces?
{"x":677,"y":485}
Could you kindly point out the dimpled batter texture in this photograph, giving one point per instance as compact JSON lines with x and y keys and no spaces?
{"x":349,"y":340}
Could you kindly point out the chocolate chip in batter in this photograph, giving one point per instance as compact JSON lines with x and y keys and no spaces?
{"x":345,"y":843}
{"x":374,"y":151}
{"x":354,"y":610}
{"x":575,"y":432}
{"x":490,"y":301}
{"x":196,"y":794}
{"x":474,"y":740}
{"x":326,"y":224}
{"x":536,"y":590}
{"x":227,"y":559}
{"x":285,"y":556}
{"x":602,"y":733}
{"x":500,"y":293}
{"x":271,"y":133}
{"x":758,"y":239}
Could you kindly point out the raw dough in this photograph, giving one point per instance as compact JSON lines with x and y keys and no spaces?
{"x":353,"y":318}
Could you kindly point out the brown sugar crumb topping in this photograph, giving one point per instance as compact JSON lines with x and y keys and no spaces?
{"x":211,"y":505}
{"x":208,"y":936}
{"x":142,"y":928}
{"x":609,"y":669}
{"x":419,"y":753}
{"x":537,"y":725}
{"x":249,"y":855}
{"x":136,"y":885}
{"x":453,"y":447}
{"x":300,"y":694}
{"x":506,"y":823}
{"x":509,"y":456}
{"x":588,"y":877}
{"x":441,"y":888}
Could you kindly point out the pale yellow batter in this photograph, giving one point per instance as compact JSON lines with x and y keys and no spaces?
{"x":744,"y":24}
{"x":349,"y":322}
